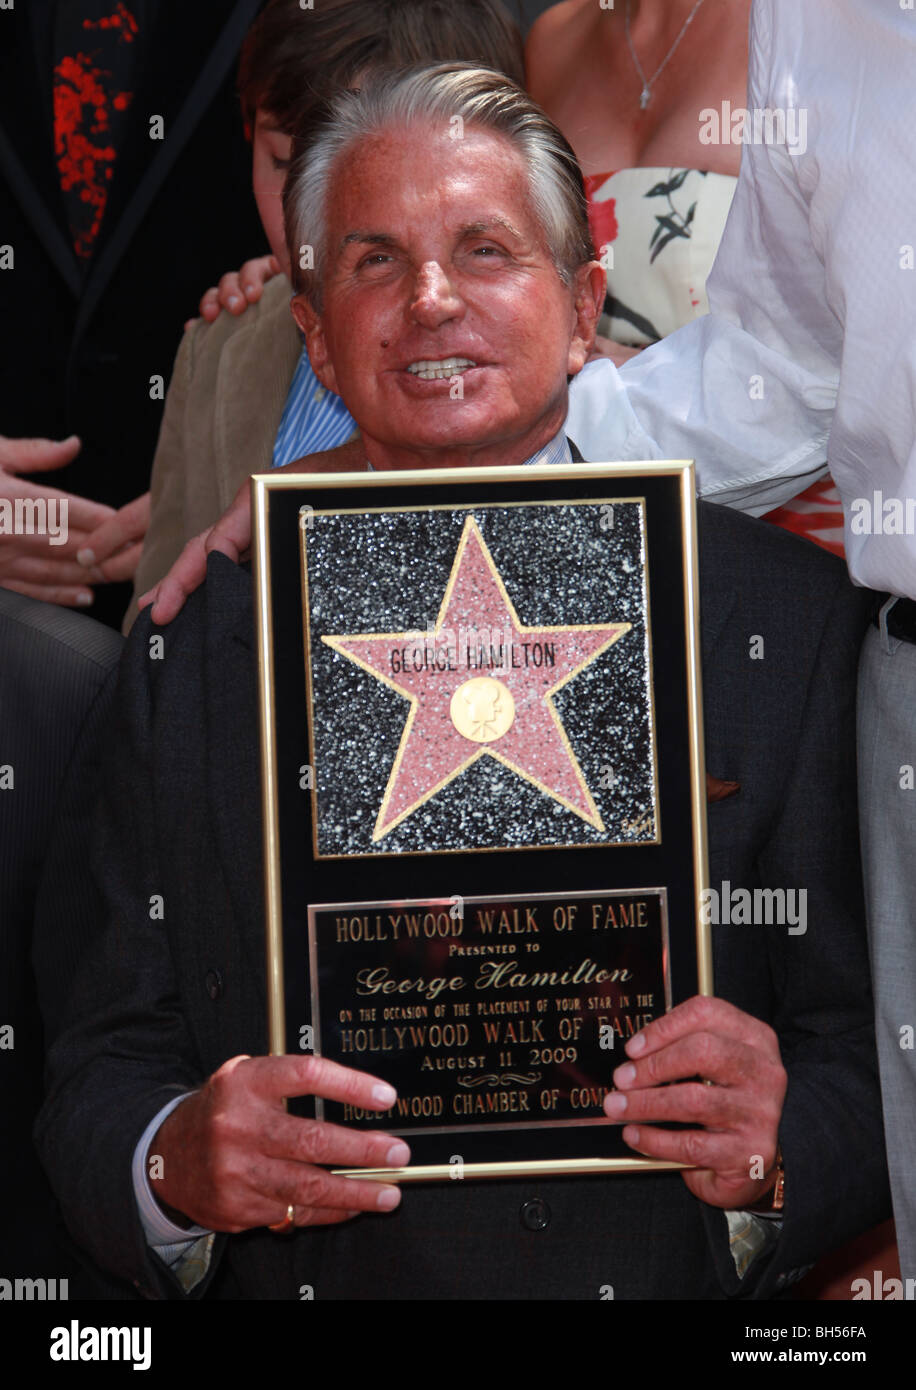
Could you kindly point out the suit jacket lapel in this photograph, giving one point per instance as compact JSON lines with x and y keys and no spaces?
{"x":41,"y":26}
{"x":56,"y":245}
{"x":249,"y":402}
{"x":27,"y":135}
{"x":716,"y":602}
{"x":234,"y":794}
{"x":118,"y":234}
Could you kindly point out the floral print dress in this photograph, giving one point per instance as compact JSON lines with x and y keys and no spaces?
{"x":657,"y":232}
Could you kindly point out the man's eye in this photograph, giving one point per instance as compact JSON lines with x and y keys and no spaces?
{"x":280,"y":164}
{"x":373,"y":261}
{"x":487,"y":253}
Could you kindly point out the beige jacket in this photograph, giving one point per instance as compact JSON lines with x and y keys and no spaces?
{"x":224,"y":404}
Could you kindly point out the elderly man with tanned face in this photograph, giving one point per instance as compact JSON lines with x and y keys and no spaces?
{"x":453,"y":293}
{"x":446,"y":324}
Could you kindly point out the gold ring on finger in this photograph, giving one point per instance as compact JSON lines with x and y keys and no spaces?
{"x":282,"y":1228}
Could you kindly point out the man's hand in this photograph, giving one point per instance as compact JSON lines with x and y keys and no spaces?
{"x":113,"y":548}
{"x":739,"y":1112}
{"x":237,"y":289}
{"x":232,"y":533}
{"x":232,"y":1158}
{"x":30,"y":564}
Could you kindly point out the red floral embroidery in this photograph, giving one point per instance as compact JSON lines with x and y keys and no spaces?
{"x":122,"y":19}
{"x":81,"y":122}
{"x":602,"y":216}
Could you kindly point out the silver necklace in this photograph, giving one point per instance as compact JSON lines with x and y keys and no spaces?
{"x":645,"y":95}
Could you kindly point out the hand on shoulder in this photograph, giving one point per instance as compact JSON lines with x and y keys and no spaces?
{"x":237,"y":289}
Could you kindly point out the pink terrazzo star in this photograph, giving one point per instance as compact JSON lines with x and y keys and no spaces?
{"x":480,"y":684}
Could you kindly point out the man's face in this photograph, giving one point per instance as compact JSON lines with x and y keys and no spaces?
{"x":270,"y":158}
{"x":445,"y":326}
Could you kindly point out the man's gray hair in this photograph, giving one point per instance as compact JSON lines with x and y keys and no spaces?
{"x":455,"y":96}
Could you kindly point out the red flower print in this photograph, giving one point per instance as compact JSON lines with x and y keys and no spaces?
{"x":602,"y":214}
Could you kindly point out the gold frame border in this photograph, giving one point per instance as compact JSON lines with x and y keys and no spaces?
{"x":535,"y":1168}
{"x":261,"y":486}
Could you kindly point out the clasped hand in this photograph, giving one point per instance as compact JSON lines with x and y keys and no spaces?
{"x":231,"y":1157}
{"x":735,"y":1117}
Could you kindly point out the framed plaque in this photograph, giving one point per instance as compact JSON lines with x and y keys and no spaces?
{"x":484,"y":794}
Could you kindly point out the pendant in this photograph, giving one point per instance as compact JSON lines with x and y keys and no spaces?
{"x":644,"y":98}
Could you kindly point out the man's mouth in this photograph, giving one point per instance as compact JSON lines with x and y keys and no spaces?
{"x":441,"y":369}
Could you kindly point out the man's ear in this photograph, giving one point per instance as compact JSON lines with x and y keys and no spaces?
{"x":589,"y":288}
{"x":312,"y":330}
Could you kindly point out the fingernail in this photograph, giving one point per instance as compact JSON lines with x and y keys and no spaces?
{"x":233,"y":301}
{"x":615,"y":1103}
{"x":84,"y":598}
{"x":384,"y":1094}
{"x":625,"y":1075}
{"x":636,"y":1045}
{"x":86,"y":557}
{"x":631,"y":1136}
{"x":96,"y":575}
{"x":398,"y":1156}
{"x":388,"y":1198}
{"x":250,"y":291}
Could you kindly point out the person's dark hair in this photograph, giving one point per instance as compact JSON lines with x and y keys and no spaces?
{"x":294,"y":60}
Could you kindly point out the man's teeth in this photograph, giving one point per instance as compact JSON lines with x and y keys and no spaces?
{"x":445,"y":367}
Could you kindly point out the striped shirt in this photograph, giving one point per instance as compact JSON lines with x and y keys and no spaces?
{"x":313,"y":418}
{"x":556,"y":451}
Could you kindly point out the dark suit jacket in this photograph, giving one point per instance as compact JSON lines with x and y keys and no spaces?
{"x":54,"y":706}
{"x":164,"y":1003}
{"x":79,"y":346}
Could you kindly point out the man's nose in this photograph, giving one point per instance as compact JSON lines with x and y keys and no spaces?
{"x":435,"y":298}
